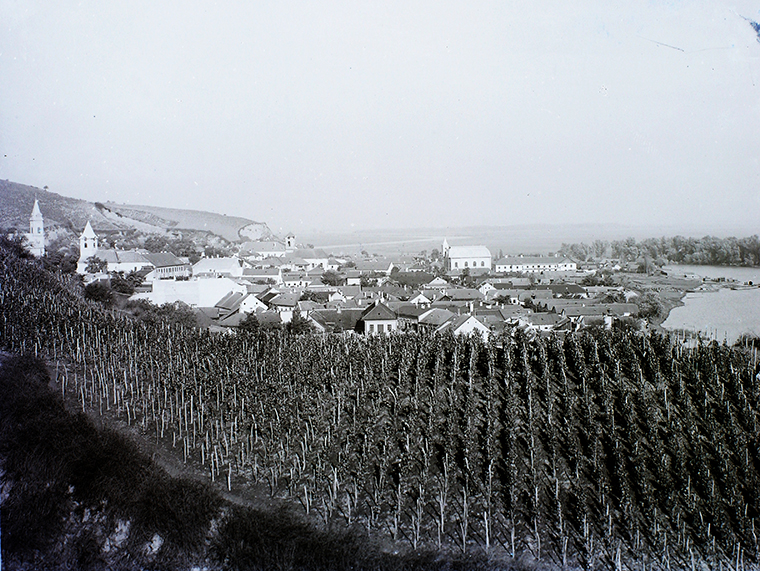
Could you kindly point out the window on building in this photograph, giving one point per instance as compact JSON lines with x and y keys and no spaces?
{"x":379,"y":327}
{"x":482,"y":264}
{"x":465,"y":264}
{"x":456,"y":264}
{"x":371,"y":328}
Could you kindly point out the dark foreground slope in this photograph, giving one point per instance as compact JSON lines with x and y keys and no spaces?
{"x":79,"y":497}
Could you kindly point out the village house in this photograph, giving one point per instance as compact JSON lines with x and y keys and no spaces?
{"x":251,"y":304}
{"x":353,"y":278}
{"x":465,"y":325}
{"x":263,"y":275}
{"x":379,"y":318}
{"x":194,"y":292}
{"x":308,"y":258}
{"x":285,"y":304}
{"x":336,"y":320}
{"x":420,"y":299}
{"x":231,"y":267}
{"x":377,"y":266}
{"x":433,"y":318}
{"x":262,"y":250}
{"x":167,"y":266}
{"x":408,"y":316}
{"x":540,"y":321}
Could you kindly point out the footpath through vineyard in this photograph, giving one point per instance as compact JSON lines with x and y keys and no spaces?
{"x":604,"y":450}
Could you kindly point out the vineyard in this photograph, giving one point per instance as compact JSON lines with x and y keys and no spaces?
{"x":598,"y":450}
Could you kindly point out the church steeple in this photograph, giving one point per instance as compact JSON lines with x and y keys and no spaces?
{"x":36,"y":234}
{"x":88,"y":243}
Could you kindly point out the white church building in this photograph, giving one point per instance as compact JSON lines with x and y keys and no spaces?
{"x":474,"y":258}
{"x":116,"y":260}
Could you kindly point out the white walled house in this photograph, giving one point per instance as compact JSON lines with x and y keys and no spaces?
{"x":195,"y":292}
{"x":219,"y":267}
{"x":167,"y":266}
{"x":252,"y":304}
{"x":465,"y":325}
{"x":379,"y":319}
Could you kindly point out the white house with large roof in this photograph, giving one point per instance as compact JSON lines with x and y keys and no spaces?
{"x":231,"y":267}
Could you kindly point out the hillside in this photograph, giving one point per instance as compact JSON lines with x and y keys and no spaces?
{"x":229,"y":227}
{"x":598,"y":450}
{"x":64,"y":213}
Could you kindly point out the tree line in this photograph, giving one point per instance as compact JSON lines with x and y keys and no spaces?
{"x":708,"y":250}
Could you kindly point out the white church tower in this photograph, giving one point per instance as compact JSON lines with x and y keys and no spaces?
{"x":36,"y":236}
{"x":88,"y":247}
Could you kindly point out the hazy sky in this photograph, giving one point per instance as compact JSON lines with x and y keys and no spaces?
{"x":389,"y":114}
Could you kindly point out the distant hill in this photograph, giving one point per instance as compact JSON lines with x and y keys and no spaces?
{"x":230,"y":227}
{"x":66,"y":213}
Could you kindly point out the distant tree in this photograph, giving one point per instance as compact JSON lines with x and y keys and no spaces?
{"x":412,"y":279}
{"x":95,"y":265}
{"x":15,"y":243}
{"x":177,"y":313}
{"x":299,"y":325}
{"x":367,"y":281}
{"x":613,"y":297}
{"x":135,"y":278}
{"x":250,"y":324}
{"x":309,"y":295}
{"x":100,"y":292}
{"x":156,"y":244}
{"x":435,"y":254}
{"x":466,"y":279}
{"x":60,"y":261}
{"x":650,"y":306}
{"x":213,"y":252}
{"x":120,"y":284}
{"x":332,"y":278}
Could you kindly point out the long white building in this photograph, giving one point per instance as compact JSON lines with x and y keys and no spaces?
{"x":534,"y":264}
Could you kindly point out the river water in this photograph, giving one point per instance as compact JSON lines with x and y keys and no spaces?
{"x":724,"y":314}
